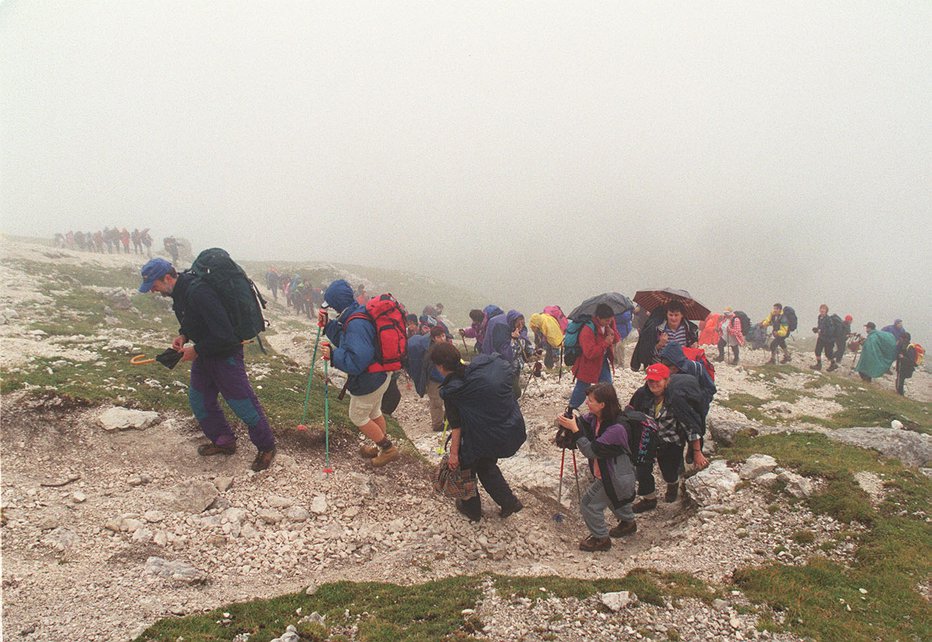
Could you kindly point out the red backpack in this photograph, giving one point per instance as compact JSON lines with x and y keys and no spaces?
{"x":391,"y":345}
{"x":698,"y":354}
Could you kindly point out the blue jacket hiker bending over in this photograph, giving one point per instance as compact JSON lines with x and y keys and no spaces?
{"x":353,"y":351}
{"x":603,"y":439}
{"x":217,"y":362}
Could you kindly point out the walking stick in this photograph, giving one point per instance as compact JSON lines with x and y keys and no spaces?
{"x":560,"y":376}
{"x":327,"y":468}
{"x":576,"y":473}
{"x":443,"y":437}
{"x":310,"y":374}
{"x":465,"y":348}
{"x":560,"y":489}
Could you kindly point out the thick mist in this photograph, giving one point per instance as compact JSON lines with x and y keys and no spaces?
{"x":535,"y":153}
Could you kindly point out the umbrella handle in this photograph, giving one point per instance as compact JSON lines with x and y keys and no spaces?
{"x":141,"y":360}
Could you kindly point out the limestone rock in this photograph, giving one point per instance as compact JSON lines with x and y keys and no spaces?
{"x":319,"y":505}
{"x":618,"y":599}
{"x":757,"y":465}
{"x":712,"y":485}
{"x":724,"y":431}
{"x":194,"y":496}
{"x":297,"y":514}
{"x":796,"y":485}
{"x":119,"y":418}
{"x":176,"y":571}
{"x":223,"y":483}
{"x":911,"y":448}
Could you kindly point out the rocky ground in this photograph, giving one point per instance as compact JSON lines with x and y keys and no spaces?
{"x":107,"y":529}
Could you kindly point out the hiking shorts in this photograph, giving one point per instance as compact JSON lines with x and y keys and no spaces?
{"x":365,"y":408}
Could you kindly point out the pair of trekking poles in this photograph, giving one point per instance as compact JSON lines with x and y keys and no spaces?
{"x":307,"y":398}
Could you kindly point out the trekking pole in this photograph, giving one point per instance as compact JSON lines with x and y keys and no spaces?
{"x":560,"y":487}
{"x":327,"y":468}
{"x":443,"y":437}
{"x":465,"y":348}
{"x":310,"y":375}
{"x":560,"y":376}
{"x":576,"y":473}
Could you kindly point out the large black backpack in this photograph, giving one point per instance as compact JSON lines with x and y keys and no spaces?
{"x":239,"y":295}
{"x":789,"y":314}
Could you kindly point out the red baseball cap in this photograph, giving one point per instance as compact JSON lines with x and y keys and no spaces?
{"x":657,"y":372}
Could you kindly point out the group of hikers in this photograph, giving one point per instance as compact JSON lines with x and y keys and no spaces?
{"x":372,"y":340}
{"x":297,"y":291}
{"x":109,"y":240}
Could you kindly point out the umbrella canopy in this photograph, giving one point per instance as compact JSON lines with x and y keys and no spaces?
{"x":652,"y":299}
{"x":616,"y":301}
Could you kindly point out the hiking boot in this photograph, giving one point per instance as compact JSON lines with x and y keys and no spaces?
{"x":385,"y":456}
{"x":461,"y":507}
{"x":786,"y":358}
{"x":209,"y":450}
{"x":719,"y":359}
{"x":624,"y":529}
{"x":592,"y":544}
{"x":643,"y":505}
{"x":263,"y":459}
{"x":673,"y":491}
{"x":368,"y":452}
{"x":817,"y":366}
{"x":511,"y":510}
{"x":773,"y":361}
{"x":832,"y":367}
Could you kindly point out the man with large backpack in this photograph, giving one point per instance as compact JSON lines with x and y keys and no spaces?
{"x":826,"y":330}
{"x":354,"y":351}
{"x":216,"y":357}
{"x":780,"y":324}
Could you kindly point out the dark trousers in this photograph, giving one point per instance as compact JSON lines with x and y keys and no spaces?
{"x":492,"y":480}
{"x":670,"y":459}
{"x":212,"y":376}
{"x":827,"y":346}
{"x":721,"y":350}
{"x":776,"y":344}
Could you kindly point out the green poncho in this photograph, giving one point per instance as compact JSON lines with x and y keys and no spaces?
{"x":877,"y":354}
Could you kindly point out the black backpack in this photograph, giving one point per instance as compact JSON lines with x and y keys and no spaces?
{"x":642,"y":436}
{"x":239,"y":295}
{"x":745,"y":322}
{"x":789,"y":314}
{"x":836,"y":328}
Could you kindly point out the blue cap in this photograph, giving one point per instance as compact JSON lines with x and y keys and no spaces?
{"x":152,"y":271}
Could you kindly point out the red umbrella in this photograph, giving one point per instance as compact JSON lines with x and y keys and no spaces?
{"x":652,"y":299}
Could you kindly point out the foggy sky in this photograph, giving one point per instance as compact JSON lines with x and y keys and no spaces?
{"x":535,"y":152}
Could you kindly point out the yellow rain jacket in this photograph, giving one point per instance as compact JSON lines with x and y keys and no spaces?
{"x":780,"y":327}
{"x":549,"y":327}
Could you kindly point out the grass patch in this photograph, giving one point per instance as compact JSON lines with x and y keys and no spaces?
{"x":892,"y":558}
{"x":866,"y":404}
{"x":382,"y":612}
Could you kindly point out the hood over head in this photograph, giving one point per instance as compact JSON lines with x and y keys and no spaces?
{"x":339,"y":295}
{"x":673,"y":353}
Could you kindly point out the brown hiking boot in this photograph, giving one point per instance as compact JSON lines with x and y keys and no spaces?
{"x":773,"y":361}
{"x":263,"y":459}
{"x":387,"y":455}
{"x":592,"y":544}
{"x":368,"y":452}
{"x":209,"y":450}
{"x":786,"y":358}
{"x":673,"y":491}
{"x":643,"y":505}
{"x":623,"y":529}
{"x":832,"y":367}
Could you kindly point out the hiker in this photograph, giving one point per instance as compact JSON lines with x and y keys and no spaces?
{"x":547,"y":336}
{"x":136,"y":237}
{"x":217,"y":365}
{"x":710,"y":333}
{"x":623,"y":326}
{"x":501,"y":334}
{"x":596,"y":361}
{"x":731,"y":335}
{"x":674,"y":401}
{"x":485,"y":423}
{"x":841,"y":338}
{"x":272,"y":280}
{"x":878,"y":352}
{"x":412,"y":326}
{"x":124,"y":239}
{"x":605,"y":444}
{"x":676,"y":360}
{"x":907,"y":359}
{"x":896,"y":329}
{"x":780,"y":329}
{"x":667,"y":323}
{"x":146,"y":239}
{"x":353,"y":351}
{"x":476,"y":329}
{"x":827,"y":333}
{"x":361,"y":297}
{"x":426,"y":377}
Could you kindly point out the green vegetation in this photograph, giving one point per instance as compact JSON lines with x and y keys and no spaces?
{"x":824,"y":598}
